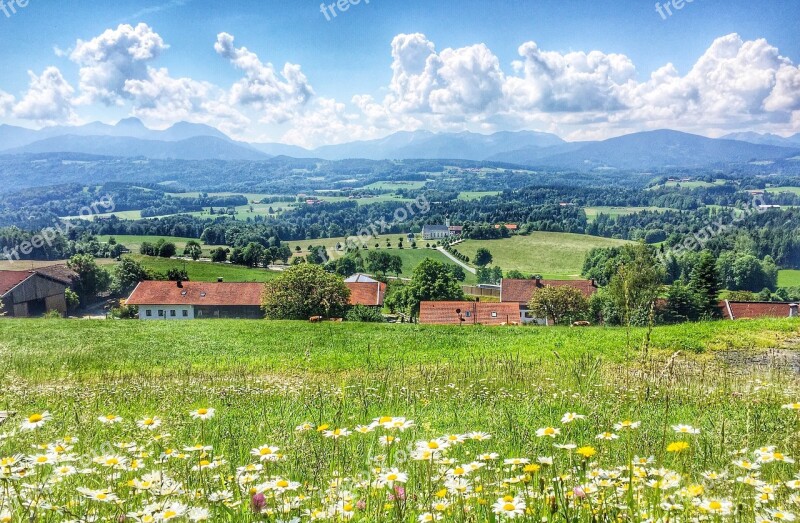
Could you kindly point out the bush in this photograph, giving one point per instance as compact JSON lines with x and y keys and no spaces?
{"x":365,"y":314}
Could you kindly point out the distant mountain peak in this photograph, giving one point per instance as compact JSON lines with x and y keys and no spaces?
{"x":131,"y":123}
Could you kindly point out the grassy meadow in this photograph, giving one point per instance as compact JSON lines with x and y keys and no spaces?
{"x":551,"y":254}
{"x":290,"y":421}
{"x":207,"y":271}
{"x":789,"y":278}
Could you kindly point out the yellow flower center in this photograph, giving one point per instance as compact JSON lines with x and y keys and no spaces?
{"x":35,"y":418}
{"x":202,"y":412}
{"x":266,"y":451}
{"x":283,"y":483}
{"x":715,"y":505}
{"x":508,"y":507}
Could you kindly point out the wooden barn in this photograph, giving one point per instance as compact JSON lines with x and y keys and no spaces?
{"x":33,"y":293}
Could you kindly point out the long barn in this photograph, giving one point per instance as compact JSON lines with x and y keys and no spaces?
{"x":34,"y":293}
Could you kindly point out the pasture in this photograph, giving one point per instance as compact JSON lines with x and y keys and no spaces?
{"x":245,"y":420}
{"x":206,"y":270}
{"x":789,"y":278}
{"x":553,"y":255}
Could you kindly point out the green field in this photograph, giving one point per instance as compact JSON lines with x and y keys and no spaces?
{"x":207,"y":271}
{"x":394,"y":186}
{"x":411,"y":257}
{"x":312,"y":411}
{"x":778,"y":190}
{"x":788,"y":278}
{"x":614,"y":212}
{"x":134,"y":242}
{"x":553,"y":255}
{"x":476,"y":195}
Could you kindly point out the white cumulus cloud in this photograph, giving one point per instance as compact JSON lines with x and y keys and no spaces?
{"x":48,"y":99}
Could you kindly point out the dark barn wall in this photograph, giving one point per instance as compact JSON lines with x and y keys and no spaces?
{"x":36,"y":292}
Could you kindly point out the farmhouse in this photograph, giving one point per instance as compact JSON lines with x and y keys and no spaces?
{"x":468,"y":313}
{"x":169,"y":300}
{"x":33,"y":293}
{"x":520,"y":292}
{"x":741,"y":310}
{"x":435,"y":232}
{"x":365,"y":290}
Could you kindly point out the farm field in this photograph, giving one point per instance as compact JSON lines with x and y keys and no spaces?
{"x":593,"y":212}
{"x":391,"y":422}
{"x":207,"y":271}
{"x":778,"y":190}
{"x":27,"y":265}
{"x":789,"y":278}
{"x":553,"y":255}
{"x":134,"y":242}
{"x":411,"y":257}
{"x":476,"y":195}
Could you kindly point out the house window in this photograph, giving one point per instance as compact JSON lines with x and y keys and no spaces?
{"x":494,"y":314}
{"x":172,"y":313}
{"x":160,"y":314}
{"x":185,"y":313}
{"x":468,"y":314}
{"x":148,"y":313}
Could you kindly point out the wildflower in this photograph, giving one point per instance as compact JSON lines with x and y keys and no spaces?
{"x":388,"y":440}
{"x":266,"y":453}
{"x":677,"y":446}
{"x":34,"y":421}
{"x":548,"y":431}
{"x":391,"y":476}
{"x":149,"y":423}
{"x":781,"y":515}
{"x":627,"y":424}
{"x":103,"y":496}
{"x":791,"y":406}
{"x":304,"y":427}
{"x":716,"y":506}
{"x":569,"y":417}
{"x":479,"y":436}
{"x":685,"y":429}
{"x":425,"y":517}
{"x":203,"y":414}
{"x":509,"y":507}
{"x":586,"y":452}
{"x":517,"y":461}
{"x":608,"y":436}
{"x":172,"y":511}
{"x":336,"y":433}
{"x":198,"y":514}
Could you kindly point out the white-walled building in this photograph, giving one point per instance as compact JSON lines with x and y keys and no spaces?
{"x":169,"y":300}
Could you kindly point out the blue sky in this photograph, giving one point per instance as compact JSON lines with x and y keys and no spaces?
{"x":404,"y":65}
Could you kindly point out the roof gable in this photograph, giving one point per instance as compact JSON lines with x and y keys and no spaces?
{"x":369,"y":294}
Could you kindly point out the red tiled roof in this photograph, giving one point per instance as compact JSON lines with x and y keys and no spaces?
{"x":10,"y":279}
{"x":740,"y":310}
{"x":509,"y":226}
{"x":444,"y":313}
{"x":196,"y":293}
{"x":367,"y":294}
{"x":521,"y":291}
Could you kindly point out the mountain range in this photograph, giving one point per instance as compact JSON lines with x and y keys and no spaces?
{"x":189,"y":141}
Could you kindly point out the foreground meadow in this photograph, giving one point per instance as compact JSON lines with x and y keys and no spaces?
{"x":263,"y":421}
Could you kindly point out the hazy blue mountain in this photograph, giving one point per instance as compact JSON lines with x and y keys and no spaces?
{"x":195,"y":148}
{"x":280,"y":149}
{"x":186,"y":130}
{"x":659,"y":149}
{"x":427,"y":145}
{"x":764,"y":139}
